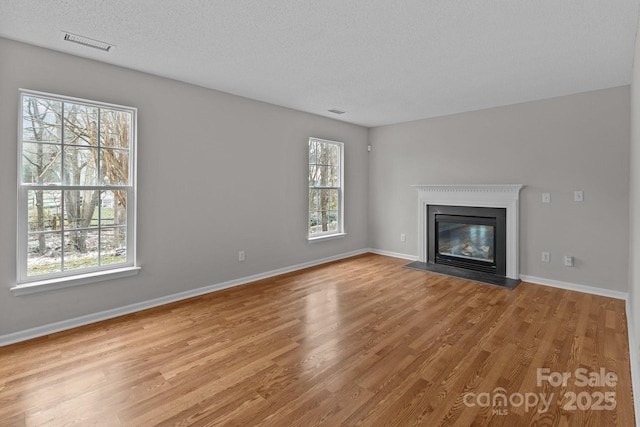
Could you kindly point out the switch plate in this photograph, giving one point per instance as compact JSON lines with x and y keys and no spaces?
{"x":546,"y":257}
{"x":568,"y":260}
{"x":546,"y":197}
{"x":403,"y":237}
{"x":578,"y":196}
{"x":241,"y":256}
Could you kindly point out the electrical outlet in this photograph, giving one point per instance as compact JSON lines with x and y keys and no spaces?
{"x":546,"y":257}
{"x":546,"y":197}
{"x":568,"y":260}
{"x":403,"y":237}
{"x":241,"y":256}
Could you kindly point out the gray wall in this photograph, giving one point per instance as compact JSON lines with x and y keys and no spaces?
{"x":634,"y":209}
{"x":216,"y":174}
{"x":559,"y":145}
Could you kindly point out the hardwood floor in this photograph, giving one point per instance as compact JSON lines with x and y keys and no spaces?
{"x":361,"y":341}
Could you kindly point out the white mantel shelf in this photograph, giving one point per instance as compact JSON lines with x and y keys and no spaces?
{"x":490,"y":196}
{"x":471,"y":188}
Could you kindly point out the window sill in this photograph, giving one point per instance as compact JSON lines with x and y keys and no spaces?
{"x":326,"y":237}
{"x":66,"y":282}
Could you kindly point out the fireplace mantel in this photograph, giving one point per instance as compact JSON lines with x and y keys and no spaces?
{"x":490,"y":196}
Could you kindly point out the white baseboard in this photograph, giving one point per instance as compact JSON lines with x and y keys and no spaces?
{"x":51,"y":328}
{"x":576,"y":287}
{"x":393,"y":254}
{"x":634,"y":362}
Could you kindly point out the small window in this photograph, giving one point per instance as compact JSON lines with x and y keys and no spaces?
{"x":325,"y":188}
{"x":76,"y":187}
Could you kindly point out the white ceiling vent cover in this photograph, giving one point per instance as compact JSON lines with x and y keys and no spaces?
{"x":85,"y":41}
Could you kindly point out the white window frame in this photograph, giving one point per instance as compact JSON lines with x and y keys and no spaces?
{"x":44,"y":282}
{"x":340,"y":232}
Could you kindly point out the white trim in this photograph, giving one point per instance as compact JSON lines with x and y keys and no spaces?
{"x":51,"y":328}
{"x":490,"y":196}
{"x":393,"y":254}
{"x":634,"y":362}
{"x":575,"y":287}
{"x":323,"y":237}
{"x":75,"y":280}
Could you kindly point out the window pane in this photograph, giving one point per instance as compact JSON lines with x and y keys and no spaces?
{"x":114,"y":166}
{"x":115,"y":127}
{"x":313,"y":223}
{"x":334,"y":200}
{"x":326,"y":199}
{"x":314,"y":200}
{"x":333,"y":154}
{"x":40,"y":163}
{"x":323,"y":221}
{"x":333,"y":176}
{"x":81,"y":249}
{"x":80,"y":166}
{"x":41,"y":120}
{"x":80,"y":209}
{"x":80,"y":124}
{"x":323,"y":179}
{"x":113,"y":245}
{"x":320,"y":176}
{"x":323,"y":211}
{"x":113,"y":208}
{"x":313,"y":152}
{"x":332,"y":220}
{"x":313,"y":175}
{"x":44,"y":210}
{"x":324,"y":176}
{"x":323,"y":154}
{"x":44,"y":253}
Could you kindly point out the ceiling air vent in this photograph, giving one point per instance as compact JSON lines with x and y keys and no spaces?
{"x":85,"y":41}
{"x":334,"y":111}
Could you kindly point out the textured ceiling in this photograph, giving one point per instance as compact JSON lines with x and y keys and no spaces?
{"x":380,"y":61}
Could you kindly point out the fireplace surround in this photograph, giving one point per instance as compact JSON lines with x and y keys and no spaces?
{"x":491,"y":199}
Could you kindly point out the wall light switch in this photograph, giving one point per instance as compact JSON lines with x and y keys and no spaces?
{"x":403,"y":237}
{"x":568,"y":260}
{"x":546,"y":197}
{"x":546,"y":257}
{"x":578,"y":196}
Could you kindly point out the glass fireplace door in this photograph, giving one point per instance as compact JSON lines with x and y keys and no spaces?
{"x":466,"y":240}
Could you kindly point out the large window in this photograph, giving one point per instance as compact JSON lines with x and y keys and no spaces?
{"x":76,"y":188}
{"x":325,"y":188}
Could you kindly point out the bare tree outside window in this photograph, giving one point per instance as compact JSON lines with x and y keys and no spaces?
{"x":76,"y":167}
{"x":325,"y":187}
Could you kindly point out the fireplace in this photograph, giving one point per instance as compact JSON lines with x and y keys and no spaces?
{"x":467,"y":237}
{"x":470,"y":228}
